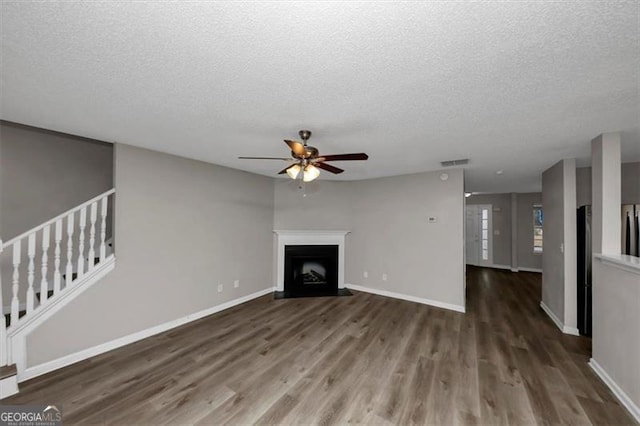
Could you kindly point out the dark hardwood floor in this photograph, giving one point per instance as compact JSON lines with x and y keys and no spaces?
{"x":361,"y":359}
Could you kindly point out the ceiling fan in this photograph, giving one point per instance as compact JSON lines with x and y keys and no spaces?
{"x":307,"y":158}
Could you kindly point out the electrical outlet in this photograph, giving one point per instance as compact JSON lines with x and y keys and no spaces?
{"x":236,"y":283}
{"x":365,"y":274}
{"x":432,"y":219}
{"x":220,"y":288}
{"x":384,"y":277}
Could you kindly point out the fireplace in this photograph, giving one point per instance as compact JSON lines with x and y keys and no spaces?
{"x":310,"y":263}
{"x":311,"y":270}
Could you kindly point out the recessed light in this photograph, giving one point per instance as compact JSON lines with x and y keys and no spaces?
{"x":499,"y":172}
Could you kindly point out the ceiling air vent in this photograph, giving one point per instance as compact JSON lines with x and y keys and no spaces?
{"x":450,"y":163}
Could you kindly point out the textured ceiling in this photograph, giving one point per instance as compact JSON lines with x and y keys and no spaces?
{"x":514,"y":86}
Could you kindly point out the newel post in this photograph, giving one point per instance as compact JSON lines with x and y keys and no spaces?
{"x":3,"y":323}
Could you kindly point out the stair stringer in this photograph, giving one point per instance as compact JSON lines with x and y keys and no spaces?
{"x":17,"y":335}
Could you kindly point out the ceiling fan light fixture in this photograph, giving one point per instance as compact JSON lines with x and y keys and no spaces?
{"x":293,"y":171}
{"x":311,"y":172}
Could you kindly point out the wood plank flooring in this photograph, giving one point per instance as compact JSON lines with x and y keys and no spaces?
{"x":362,"y":359}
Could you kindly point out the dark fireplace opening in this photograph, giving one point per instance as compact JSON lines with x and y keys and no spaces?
{"x":311,"y":270}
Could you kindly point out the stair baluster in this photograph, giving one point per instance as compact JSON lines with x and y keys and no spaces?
{"x":103,"y":228}
{"x":56,"y":257}
{"x":92,"y":235}
{"x":44,"y":284}
{"x":31,"y":271}
{"x":18,"y":319}
{"x":15,"y":303}
{"x":69,"y":269}
{"x":83,"y":224}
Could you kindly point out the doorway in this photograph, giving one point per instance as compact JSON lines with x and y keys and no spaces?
{"x":479,"y":235}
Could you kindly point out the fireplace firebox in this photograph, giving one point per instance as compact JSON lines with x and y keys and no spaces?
{"x":310,"y":270}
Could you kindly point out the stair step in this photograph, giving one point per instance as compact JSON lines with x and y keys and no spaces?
{"x":8,"y":371}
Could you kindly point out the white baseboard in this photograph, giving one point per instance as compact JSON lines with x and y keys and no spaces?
{"x":8,"y":386}
{"x":564,"y":328}
{"x":619,"y":393}
{"x":525,"y":269}
{"x":64,"y":361}
{"x":499,"y":266}
{"x":394,"y":295}
{"x":508,"y":267}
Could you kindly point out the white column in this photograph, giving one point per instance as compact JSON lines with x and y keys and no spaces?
{"x":514,"y":231}
{"x":570,"y":248}
{"x":606,"y":196}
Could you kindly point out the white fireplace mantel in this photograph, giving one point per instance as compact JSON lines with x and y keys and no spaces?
{"x":309,"y":238}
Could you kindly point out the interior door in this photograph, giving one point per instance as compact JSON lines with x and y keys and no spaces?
{"x":479,"y":235}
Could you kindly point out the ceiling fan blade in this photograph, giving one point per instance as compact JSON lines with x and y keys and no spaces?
{"x":296,"y":147}
{"x":283,"y":171}
{"x":344,"y":157}
{"x":264,"y":158}
{"x":328,"y":167}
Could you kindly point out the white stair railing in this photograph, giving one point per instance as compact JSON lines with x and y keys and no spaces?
{"x":37,"y":291}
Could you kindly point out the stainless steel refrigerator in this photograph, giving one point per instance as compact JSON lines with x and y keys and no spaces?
{"x":584,"y":270}
{"x":630,"y":245}
{"x":631,"y":229}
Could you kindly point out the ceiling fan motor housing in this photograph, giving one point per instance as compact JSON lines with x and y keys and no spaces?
{"x":311,"y":152}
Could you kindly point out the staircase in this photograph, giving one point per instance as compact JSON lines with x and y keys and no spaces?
{"x":36,"y":288}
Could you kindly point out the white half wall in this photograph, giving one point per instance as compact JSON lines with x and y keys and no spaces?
{"x":616,"y":329}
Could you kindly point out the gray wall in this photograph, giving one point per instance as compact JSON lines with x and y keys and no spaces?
{"x":182,"y":227}
{"x":526,"y":257}
{"x":630,"y":184}
{"x":501,"y":206}
{"x":390,"y":234}
{"x":559,"y":254}
{"x":327,"y":206}
{"x":43,"y":174}
{"x":553,"y":231}
{"x":630,"y":175}
{"x":502,"y":221}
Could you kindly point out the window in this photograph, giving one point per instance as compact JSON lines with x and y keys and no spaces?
{"x":537,"y":228}
{"x":485,"y":234}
